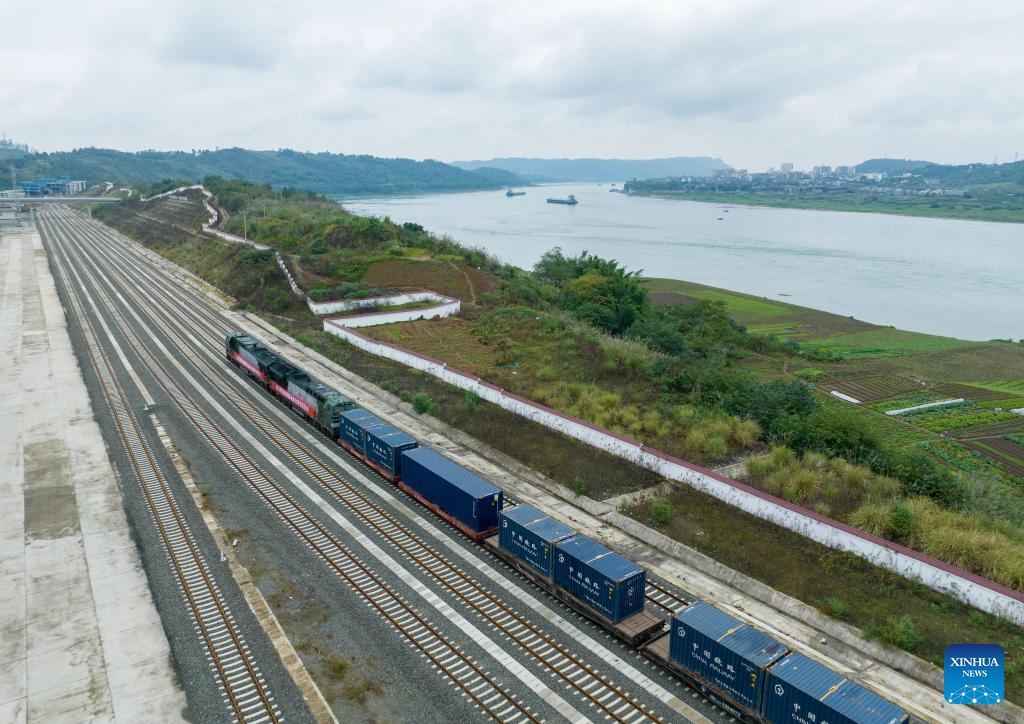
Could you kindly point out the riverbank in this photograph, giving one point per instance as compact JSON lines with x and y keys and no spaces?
{"x":967,"y":209}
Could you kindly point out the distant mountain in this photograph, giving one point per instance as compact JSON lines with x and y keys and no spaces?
{"x":891,"y":166}
{"x":599,"y":169}
{"x":326,"y":173}
{"x":964,"y":175}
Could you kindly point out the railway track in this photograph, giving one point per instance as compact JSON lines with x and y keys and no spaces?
{"x":663,"y":598}
{"x":593,"y":687}
{"x":477,"y":685}
{"x":243,"y":688}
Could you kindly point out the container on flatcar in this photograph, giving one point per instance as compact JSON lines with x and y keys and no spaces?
{"x":353,"y":427}
{"x":602,"y":579}
{"x":384,"y":445}
{"x":529,"y":535}
{"x":725,"y":652}
{"x":466,"y":497}
{"x":798,"y":686}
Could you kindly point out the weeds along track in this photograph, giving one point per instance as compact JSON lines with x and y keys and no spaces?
{"x":477,"y":685}
{"x":593,"y":687}
{"x":242,"y":687}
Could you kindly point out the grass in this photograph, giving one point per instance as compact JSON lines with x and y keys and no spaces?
{"x":983,"y":208}
{"x":843,"y":585}
{"x":738,"y":303}
{"x":883,"y":342}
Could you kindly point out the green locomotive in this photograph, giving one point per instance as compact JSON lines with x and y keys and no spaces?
{"x":317,"y":402}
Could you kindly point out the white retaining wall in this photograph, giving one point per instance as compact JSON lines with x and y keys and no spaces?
{"x":985,"y":595}
{"x":209,"y":227}
{"x":449,"y":308}
{"x":394,"y":300}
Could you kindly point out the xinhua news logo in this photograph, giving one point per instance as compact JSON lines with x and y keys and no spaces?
{"x":974,"y":674}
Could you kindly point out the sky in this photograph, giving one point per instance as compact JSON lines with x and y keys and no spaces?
{"x":755,"y":83}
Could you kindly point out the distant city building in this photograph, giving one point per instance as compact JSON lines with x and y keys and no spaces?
{"x":786,"y":168}
{"x":845,"y":170}
{"x":821,"y":171}
{"x":60,"y":186}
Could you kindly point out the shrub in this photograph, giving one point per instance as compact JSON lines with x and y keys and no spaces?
{"x":257,"y":256}
{"x":422,"y":403}
{"x":872,"y":518}
{"x":661,"y":511}
{"x":471,"y":401}
{"x":902,"y":524}
{"x":834,"y":607}
{"x":898,"y":631}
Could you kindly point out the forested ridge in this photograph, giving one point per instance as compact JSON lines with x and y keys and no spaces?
{"x":324,"y":173}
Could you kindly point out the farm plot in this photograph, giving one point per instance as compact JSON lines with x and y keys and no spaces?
{"x":969,"y":392}
{"x":1012,"y":426}
{"x":959,"y":417}
{"x":872,"y":388}
{"x":1009,"y":388}
{"x":1005,"y":452}
{"x":450,"y":339}
{"x":899,"y":403}
{"x":453,"y":279}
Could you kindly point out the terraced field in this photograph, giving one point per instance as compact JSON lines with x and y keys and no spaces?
{"x":873,"y":388}
{"x":1005,"y":452}
{"x":453,"y":279}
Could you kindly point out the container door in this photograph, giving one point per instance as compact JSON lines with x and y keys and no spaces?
{"x":631,"y":593}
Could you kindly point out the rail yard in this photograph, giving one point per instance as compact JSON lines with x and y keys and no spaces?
{"x":440,"y":627}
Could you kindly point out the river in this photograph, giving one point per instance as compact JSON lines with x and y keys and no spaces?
{"x":955,"y":278}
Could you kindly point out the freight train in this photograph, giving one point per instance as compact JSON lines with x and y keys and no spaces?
{"x":743,"y":670}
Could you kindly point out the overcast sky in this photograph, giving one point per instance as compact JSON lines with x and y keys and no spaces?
{"x":755,"y":83}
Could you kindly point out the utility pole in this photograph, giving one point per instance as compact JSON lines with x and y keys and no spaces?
{"x":17,"y":199}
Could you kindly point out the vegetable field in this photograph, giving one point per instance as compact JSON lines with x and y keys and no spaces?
{"x":873,"y":388}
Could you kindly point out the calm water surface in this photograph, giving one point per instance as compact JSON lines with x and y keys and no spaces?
{"x":956,"y":278}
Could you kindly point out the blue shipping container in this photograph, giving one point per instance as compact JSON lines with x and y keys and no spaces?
{"x":353,"y":425}
{"x":723,"y":651}
{"x":797,"y":685}
{"x":528,"y":534}
{"x":605,"y":581}
{"x":466,"y":497}
{"x":384,"y":445}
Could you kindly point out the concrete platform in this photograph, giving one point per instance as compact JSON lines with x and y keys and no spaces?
{"x":80,"y":638}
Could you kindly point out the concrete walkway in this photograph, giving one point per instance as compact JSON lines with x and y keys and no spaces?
{"x":80,"y":638}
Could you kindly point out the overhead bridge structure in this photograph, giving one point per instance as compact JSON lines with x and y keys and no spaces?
{"x":59,"y":200}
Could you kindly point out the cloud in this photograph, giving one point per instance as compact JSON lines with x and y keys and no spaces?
{"x":755,"y":81}
{"x":231,"y":35}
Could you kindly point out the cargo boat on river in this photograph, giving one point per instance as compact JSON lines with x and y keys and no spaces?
{"x":569,"y":201}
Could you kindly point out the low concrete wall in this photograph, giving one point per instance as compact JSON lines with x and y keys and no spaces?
{"x":393,"y":300}
{"x":449,"y":308}
{"x":975,"y":590}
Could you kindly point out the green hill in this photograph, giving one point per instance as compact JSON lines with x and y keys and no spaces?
{"x":325,"y":173}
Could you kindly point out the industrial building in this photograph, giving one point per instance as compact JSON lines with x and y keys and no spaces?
{"x":59,"y":186}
